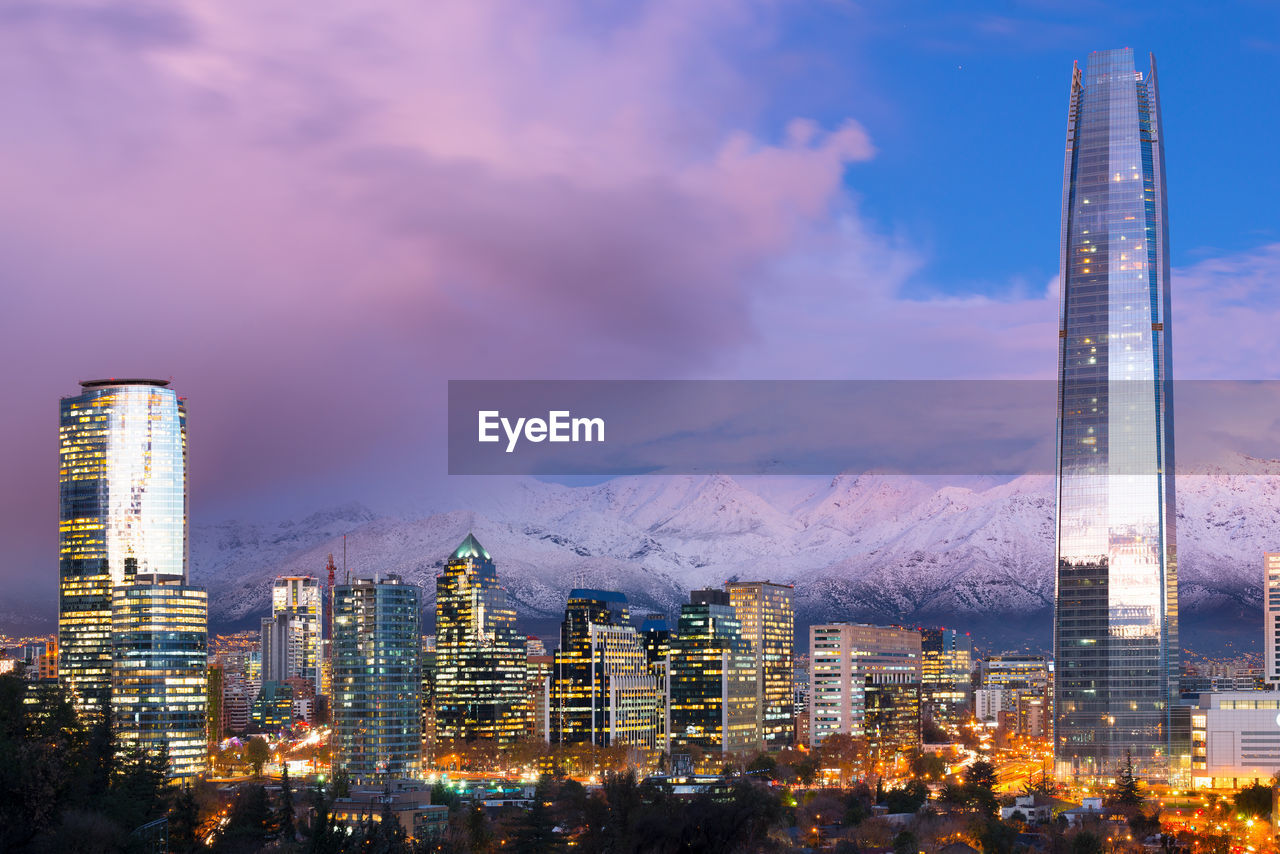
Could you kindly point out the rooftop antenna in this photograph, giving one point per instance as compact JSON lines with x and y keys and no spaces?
{"x":345,"y":573}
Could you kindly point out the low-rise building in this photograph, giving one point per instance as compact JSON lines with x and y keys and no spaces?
{"x":1235,"y":739}
{"x":406,"y":800}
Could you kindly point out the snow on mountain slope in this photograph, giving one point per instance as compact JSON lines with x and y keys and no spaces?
{"x":869,"y":547}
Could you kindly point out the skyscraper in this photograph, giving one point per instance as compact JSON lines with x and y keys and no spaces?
{"x":945,"y":674}
{"x":602,"y":691}
{"x":769,"y":625}
{"x":159,"y":687}
{"x":377,"y":679}
{"x":122,"y":497}
{"x":481,"y":661}
{"x":712,"y":681}
{"x":291,"y":635}
{"x":1116,"y":622}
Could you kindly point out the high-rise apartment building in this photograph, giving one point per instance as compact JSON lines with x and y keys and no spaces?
{"x":122,"y":498}
{"x":1116,"y":623}
{"x":291,"y":636}
{"x":946,"y":668}
{"x":481,"y":660}
{"x":712,"y":684}
{"x":1271,"y":618}
{"x":377,"y":679}
{"x":769,"y":625}
{"x":865,"y":682}
{"x":159,"y":688}
{"x":603,"y":691}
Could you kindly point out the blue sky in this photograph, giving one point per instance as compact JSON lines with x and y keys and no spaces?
{"x":967,"y":110}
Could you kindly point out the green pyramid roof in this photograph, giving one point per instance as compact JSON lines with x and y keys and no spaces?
{"x":470,"y":548}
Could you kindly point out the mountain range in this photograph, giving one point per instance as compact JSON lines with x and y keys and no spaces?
{"x":975,"y":555}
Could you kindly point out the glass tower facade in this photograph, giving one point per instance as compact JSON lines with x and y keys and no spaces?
{"x":602,"y":689}
{"x":712,"y":684}
{"x":159,"y":696}
{"x":481,"y":659}
{"x":769,"y":625}
{"x":1116,"y":622}
{"x":122,"y":480}
{"x":377,"y":679}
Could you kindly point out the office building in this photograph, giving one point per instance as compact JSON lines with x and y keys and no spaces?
{"x":1116,"y":622}
{"x":377,"y":679}
{"x":159,"y":699}
{"x":712,"y":684}
{"x":865,"y":682}
{"x":291,"y":636}
{"x":769,"y":625}
{"x":1235,"y":739}
{"x":481,"y":661}
{"x":122,"y":497}
{"x":946,"y":673}
{"x":603,"y":691}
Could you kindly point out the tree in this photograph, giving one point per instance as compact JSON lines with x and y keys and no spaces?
{"x":1086,"y":842}
{"x":905,"y":843}
{"x":256,"y":752}
{"x":184,"y":821}
{"x":535,"y":831}
{"x":979,"y":788}
{"x":1125,"y":793}
{"x":1254,"y":801}
{"x":907,"y":799}
{"x":340,"y":786}
{"x":324,"y":836}
{"x":288,"y":830}
{"x":249,"y":826}
{"x":389,"y":836}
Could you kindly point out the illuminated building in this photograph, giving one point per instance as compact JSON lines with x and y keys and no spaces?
{"x":602,"y":691}
{"x":1008,"y":683}
{"x":41,"y":659}
{"x":122,"y":497}
{"x":946,"y":665}
{"x":712,"y":680}
{"x":377,"y":679}
{"x":1116,"y":621}
{"x":481,"y":661}
{"x":541,"y":668}
{"x":800,"y":699}
{"x":865,"y":682}
{"x":1271,"y":617}
{"x":215,"y":718}
{"x":272,"y":710}
{"x":291,"y":640}
{"x":655,"y":635}
{"x":769,"y":625}
{"x":159,"y":631}
{"x":1235,"y":739}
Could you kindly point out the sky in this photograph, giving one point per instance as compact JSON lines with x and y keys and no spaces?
{"x":312,"y":215}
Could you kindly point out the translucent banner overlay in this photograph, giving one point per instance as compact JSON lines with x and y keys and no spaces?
{"x":918,"y":427}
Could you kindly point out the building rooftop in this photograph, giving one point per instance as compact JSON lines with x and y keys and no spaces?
{"x":122,"y":381}
{"x":470,"y":548}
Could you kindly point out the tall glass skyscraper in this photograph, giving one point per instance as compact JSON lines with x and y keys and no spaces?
{"x":1116,"y":623}
{"x":123,"y":513}
{"x":481,"y":659}
{"x":377,"y":679}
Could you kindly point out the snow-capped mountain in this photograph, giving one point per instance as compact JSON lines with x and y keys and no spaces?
{"x":876,"y":548}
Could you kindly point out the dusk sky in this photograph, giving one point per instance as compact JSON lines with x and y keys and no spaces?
{"x":312,"y":215}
